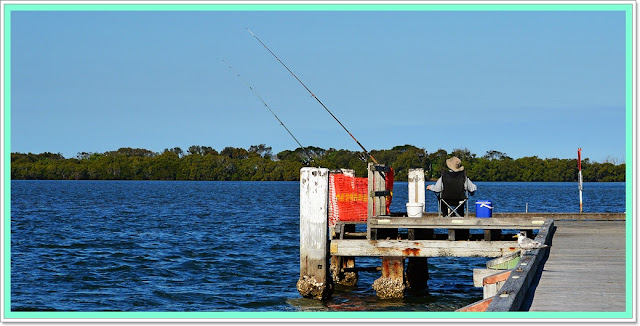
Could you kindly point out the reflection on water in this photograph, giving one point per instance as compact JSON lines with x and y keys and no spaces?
{"x":450,"y":287}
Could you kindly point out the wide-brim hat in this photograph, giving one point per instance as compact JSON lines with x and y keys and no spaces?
{"x":455,"y":164}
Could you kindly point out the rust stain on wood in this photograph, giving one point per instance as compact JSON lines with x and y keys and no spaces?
{"x":392,"y":267}
{"x":411,"y":252}
{"x":385,"y":267}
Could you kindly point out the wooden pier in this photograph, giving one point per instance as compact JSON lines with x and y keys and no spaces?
{"x":588,"y":261}
{"x":328,"y":253}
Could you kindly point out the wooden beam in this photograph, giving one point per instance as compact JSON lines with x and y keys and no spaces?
{"x":495,"y":278}
{"x":480,"y":273}
{"x":479,"y":306}
{"x":490,"y":280}
{"x":514,"y":290}
{"x":566,"y":216}
{"x":544,"y":215}
{"x":383,"y":222}
{"x":422,"y":248}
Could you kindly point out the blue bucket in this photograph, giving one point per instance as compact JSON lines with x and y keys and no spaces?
{"x":484,"y":208}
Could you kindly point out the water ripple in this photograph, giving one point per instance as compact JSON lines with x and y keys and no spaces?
{"x":212,"y":246}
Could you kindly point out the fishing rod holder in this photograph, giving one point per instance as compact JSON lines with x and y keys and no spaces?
{"x":380,"y":193}
{"x":380,"y":168}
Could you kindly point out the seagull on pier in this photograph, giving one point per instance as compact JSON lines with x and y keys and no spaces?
{"x":528,"y":244}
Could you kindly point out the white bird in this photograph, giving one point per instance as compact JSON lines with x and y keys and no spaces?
{"x":528,"y":244}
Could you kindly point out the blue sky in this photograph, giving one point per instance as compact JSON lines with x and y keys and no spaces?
{"x":524,"y":83}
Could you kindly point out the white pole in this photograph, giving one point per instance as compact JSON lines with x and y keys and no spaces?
{"x":580,"y":188}
{"x":580,"y":177}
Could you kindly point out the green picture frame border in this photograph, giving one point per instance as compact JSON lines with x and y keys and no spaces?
{"x":628,"y":7}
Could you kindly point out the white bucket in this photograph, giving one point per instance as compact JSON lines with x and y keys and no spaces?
{"x":415,"y":209}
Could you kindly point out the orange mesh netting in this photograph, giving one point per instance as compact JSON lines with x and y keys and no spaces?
{"x":348,"y":198}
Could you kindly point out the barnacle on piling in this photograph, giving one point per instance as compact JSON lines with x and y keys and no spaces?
{"x":388,"y":288}
{"x":309,"y":287}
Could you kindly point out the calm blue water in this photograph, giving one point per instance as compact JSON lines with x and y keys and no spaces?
{"x":216,"y":246}
{"x":544,"y":197}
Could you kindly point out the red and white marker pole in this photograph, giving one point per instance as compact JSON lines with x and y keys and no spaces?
{"x":580,"y":177}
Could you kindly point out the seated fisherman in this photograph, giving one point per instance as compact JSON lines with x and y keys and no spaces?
{"x":452,"y":185}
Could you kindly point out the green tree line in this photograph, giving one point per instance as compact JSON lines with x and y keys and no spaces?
{"x":258,"y":163}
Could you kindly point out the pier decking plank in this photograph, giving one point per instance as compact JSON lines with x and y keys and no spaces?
{"x":585,"y":270}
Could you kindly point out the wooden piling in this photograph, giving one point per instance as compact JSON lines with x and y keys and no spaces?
{"x":340,"y":263}
{"x":492,"y":235}
{"x":417,"y":274}
{"x":377,"y":202}
{"x":417,"y":267}
{"x":314,"y":279}
{"x":391,"y":284}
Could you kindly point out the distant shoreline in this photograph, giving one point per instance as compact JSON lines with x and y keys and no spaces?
{"x":395,"y":180}
{"x":201,"y":163}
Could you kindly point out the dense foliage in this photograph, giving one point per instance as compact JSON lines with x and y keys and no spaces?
{"x":259,"y":164}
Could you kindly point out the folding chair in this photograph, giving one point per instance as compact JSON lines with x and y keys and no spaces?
{"x":453,"y":201}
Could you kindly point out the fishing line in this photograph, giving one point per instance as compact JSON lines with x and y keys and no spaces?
{"x":268,"y":108}
{"x":314,"y":96}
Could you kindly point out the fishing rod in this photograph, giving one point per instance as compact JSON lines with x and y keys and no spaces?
{"x":268,"y":108}
{"x":314,"y":96}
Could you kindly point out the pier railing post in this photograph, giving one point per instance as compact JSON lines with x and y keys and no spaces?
{"x":417,"y":267}
{"x":314,"y":281}
{"x":416,"y":186}
{"x":377,"y":203}
{"x":391,"y":284}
